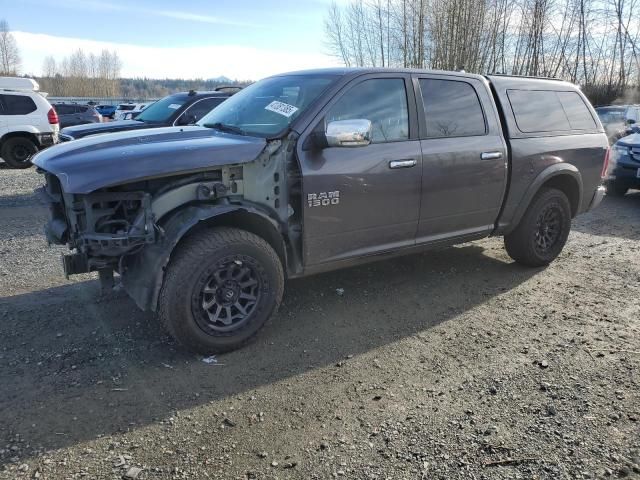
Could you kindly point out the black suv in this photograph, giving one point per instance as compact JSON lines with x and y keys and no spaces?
{"x":179,"y":109}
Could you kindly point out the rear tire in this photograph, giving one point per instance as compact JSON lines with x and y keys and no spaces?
{"x":219,"y":290}
{"x":17,"y":152}
{"x":543,"y":231}
{"x":615,"y":190}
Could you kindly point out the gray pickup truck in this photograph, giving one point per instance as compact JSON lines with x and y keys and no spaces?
{"x":312,"y":171}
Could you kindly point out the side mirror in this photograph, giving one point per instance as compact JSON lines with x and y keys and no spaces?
{"x":348,"y":133}
{"x":631,"y":121}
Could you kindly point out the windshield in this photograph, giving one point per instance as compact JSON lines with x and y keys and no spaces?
{"x":163,"y":109}
{"x":267,"y":107}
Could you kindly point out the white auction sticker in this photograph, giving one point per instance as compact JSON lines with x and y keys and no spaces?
{"x":281,"y":108}
{"x":174,"y":106}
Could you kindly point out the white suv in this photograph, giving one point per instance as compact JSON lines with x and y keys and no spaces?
{"x":28,"y":123}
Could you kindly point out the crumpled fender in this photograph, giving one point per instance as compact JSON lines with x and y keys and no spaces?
{"x":143,"y":273}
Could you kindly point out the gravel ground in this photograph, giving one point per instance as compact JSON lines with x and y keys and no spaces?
{"x":452,"y":364}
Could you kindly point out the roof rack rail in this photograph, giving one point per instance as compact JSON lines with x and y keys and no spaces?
{"x":523,"y":76}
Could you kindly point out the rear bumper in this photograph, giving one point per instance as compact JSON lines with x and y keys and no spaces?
{"x":597,"y":197}
{"x":47,"y":139}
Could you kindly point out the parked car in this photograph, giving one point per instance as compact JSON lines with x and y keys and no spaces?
{"x":107,"y":111}
{"x":613,"y":119}
{"x":133,"y":114}
{"x":125,"y":108}
{"x":313,"y":171}
{"x":28,"y":123}
{"x":181,"y":109}
{"x":631,"y":123}
{"x":73,"y":114}
{"x":632,"y":114}
{"x":623,"y":168}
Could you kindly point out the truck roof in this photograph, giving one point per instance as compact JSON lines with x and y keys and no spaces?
{"x":516,"y":80}
{"x":354,"y":71}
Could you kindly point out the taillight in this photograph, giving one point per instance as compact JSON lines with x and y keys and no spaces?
{"x":605,"y":165}
{"x":52,"y":116}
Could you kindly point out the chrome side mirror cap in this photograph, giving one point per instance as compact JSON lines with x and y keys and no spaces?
{"x":348,"y":133}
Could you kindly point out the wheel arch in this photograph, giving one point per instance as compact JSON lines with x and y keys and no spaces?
{"x":19,"y":134}
{"x":249,"y":219}
{"x":563,"y":176}
{"x":144,"y":273}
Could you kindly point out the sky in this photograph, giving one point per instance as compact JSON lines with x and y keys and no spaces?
{"x":240,"y":39}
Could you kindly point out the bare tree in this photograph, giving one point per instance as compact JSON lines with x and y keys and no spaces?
{"x":10,"y":61}
{"x":83,"y":75}
{"x":590,"y":42}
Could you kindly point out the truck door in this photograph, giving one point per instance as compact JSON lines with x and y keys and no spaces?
{"x":362,"y":200}
{"x":464,"y":158}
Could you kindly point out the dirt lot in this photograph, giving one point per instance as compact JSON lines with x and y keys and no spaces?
{"x":453,"y":364}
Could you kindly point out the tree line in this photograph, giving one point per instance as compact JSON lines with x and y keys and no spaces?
{"x":89,"y":75}
{"x":82,"y":75}
{"x":594,"y":43}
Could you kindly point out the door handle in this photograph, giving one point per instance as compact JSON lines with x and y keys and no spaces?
{"x":402,"y":163}
{"x":490,"y":155}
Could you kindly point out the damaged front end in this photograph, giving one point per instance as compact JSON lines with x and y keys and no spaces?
{"x":102,"y":226}
{"x":132,"y":226}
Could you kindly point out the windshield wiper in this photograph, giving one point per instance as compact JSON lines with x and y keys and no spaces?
{"x":223,"y":127}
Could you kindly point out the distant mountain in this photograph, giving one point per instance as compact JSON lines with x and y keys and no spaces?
{"x":221,"y":79}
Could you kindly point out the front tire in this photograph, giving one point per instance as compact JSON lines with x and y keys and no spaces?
{"x":543,"y":231}
{"x":220,"y":288}
{"x":17,"y":152}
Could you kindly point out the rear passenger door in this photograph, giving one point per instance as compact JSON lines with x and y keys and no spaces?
{"x":464,"y":158}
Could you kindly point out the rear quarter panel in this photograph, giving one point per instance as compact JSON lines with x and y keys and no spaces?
{"x":535,"y":156}
{"x":532,"y":157}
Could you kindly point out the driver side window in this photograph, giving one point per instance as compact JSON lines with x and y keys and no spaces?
{"x":383,"y":101}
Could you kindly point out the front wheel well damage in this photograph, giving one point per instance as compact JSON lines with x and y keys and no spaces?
{"x":143,"y":273}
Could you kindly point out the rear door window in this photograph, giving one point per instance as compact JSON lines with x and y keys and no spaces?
{"x":452,"y":109}
{"x":538,"y":111}
{"x":19,"y":105}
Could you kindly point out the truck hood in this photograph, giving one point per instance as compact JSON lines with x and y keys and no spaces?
{"x":80,"y":131}
{"x":91,"y":163}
